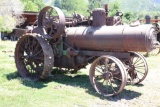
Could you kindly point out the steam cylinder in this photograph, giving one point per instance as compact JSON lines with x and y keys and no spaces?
{"x":140,"y":38}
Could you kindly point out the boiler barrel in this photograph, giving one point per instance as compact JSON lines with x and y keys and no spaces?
{"x":112,"y":38}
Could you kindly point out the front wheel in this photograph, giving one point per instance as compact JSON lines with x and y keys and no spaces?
{"x":108,"y":75}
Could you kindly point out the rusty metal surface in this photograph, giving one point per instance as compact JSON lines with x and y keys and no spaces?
{"x":112,"y":38}
{"x":101,"y":53}
{"x":30,"y":17}
{"x":18,"y":32}
{"x":106,"y":7}
{"x":33,"y":57}
{"x":65,"y":62}
{"x":99,"y":17}
{"x":114,"y":21}
{"x":51,"y":26}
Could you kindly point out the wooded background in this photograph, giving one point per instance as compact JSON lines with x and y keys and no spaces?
{"x":132,"y":9}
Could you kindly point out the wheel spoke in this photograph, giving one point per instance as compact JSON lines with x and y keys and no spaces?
{"x":113,"y":81}
{"x":51,"y":10}
{"x":99,"y":71}
{"x":36,"y":48}
{"x":112,"y":87}
{"x":38,"y":62}
{"x":100,"y":63}
{"x":107,"y":89}
{"x":139,"y":63}
{"x":137,"y":60}
{"x":98,"y":77}
{"x":106,"y":67}
{"x":140,"y":72}
{"x":137,"y":77}
{"x":100,"y":67}
{"x":39,"y":58}
{"x":142,"y":66}
{"x":38,"y":52}
{"x":22,"y":49}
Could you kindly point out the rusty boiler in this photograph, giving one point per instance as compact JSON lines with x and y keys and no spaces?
{"x":100,"y":37}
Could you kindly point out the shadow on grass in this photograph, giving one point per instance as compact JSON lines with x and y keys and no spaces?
{"x":75,"y":80}
{"x":139,"y":85}
{"x":84,"y":82}
{"x":125,"y":94}
{"x":27,"y":82}
{"x":79,"y":80}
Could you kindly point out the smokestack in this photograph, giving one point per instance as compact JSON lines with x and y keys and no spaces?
{"x":148,"y":19}
{"x":106,"y":7}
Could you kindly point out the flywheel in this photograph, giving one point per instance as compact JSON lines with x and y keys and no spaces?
{"x":51,"y":22}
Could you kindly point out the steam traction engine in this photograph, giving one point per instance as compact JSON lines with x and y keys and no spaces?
{"x":74,"y":42}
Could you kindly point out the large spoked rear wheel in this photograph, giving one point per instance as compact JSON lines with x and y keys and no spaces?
{"x":138,"y":68}
{"x":33,"y":57}
{"x":108,"y":75}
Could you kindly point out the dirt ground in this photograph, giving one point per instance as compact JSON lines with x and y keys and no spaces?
{"x":145,"y":94}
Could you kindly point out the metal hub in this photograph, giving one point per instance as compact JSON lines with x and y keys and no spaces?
{"x":107,"y":75}
{"x":30,"y":58}
{"x":132,"y":72}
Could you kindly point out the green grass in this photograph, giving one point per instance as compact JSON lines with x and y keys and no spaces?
{"x":60,"y":90}
{"x":72,"y":90}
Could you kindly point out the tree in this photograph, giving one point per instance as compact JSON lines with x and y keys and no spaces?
{"x":128,"y":16}
{"x":33,"y":5}
{"x":57,"y":3}
{"x":93,"y":4}
{"x":11,"y":9}
{"x":8,"y":10}
{"x":113,"y":7}
{"x":71,"y":6}
{"x":97,"y":4}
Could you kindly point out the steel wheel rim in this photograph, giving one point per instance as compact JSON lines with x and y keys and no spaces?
{"x":33,"y":57}
{"x":114,"y":84}
{"x":140,"y":70}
